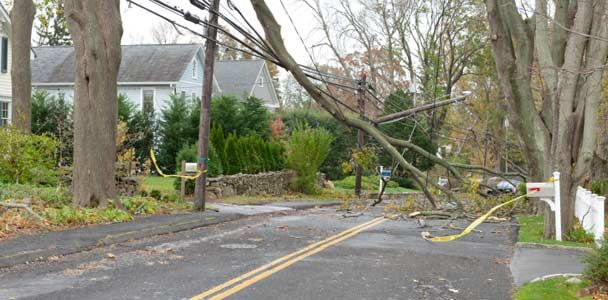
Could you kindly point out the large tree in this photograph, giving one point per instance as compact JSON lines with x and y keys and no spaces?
{"x":96,"y":29}
{"x":22,"y":19}
{"x":550,"y":68}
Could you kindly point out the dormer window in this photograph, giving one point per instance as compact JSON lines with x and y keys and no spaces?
{"x":261,"y":81}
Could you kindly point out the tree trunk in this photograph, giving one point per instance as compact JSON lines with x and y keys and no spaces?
{"x":22,"y":19}
{"x":561,"y":135}
{"x":96,"y":29}
{"x":200,"y":189}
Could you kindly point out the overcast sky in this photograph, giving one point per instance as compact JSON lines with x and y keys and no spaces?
{"x":138,"y":23}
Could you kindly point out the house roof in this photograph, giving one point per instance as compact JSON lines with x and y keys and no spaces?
{"x":236,"y":77}
{"x":140,"y":63}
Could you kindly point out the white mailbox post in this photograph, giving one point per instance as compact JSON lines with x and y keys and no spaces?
{"x":386,"y":174}
{"x":549,"y":192}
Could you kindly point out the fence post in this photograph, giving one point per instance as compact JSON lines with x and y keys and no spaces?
{"x":558,"y":207}
{"x":182,"y":186}
{"x":599,"y":220}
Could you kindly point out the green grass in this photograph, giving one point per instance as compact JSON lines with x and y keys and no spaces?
{"x":369,"y":183}
{"x":551,"y":289}
{"x":531,"y":231}
{"x":161,"y":184}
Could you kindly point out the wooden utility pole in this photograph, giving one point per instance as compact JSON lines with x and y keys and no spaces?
{"x":205,"y":118}
{"x":360,"y":133}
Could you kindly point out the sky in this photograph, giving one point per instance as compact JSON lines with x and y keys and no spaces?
{"x":138,"y":24}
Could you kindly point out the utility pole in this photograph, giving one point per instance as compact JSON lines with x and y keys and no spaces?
{"x":360,"y":133}
{"x":205,"y":117}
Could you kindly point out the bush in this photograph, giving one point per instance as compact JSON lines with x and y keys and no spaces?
{"x":599,"y":187}
{"x":27,"y":158}
{"x":52,"y":196}
{"x":308,"y":149}
{"x":141,"y":205}
{"x":175,"y":131}
{"x":247,"y":117}
{"x":596,"y":265}
{"x":53,"y":116}
{"x":345,"y":138}
{"x":403,"y":182}
{"x":69,"y":215}
{"x":252,"y":154}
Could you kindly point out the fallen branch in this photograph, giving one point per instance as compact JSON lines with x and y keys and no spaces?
{"x":22,"y":206}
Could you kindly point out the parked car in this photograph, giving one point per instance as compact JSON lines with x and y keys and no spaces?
{"x":508,"y":187}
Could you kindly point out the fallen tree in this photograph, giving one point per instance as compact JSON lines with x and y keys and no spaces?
{"x":273,"y":37}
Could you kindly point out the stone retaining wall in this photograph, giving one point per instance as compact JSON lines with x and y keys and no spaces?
{"x":271,"y":183}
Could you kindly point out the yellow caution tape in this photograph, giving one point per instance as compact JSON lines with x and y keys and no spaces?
{"x":153,"y":157}
{"x":473,"y":225}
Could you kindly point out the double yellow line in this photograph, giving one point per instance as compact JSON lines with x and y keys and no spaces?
{"x":238,"y":283}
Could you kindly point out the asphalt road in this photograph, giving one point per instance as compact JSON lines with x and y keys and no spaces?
{"x":388,"y":260}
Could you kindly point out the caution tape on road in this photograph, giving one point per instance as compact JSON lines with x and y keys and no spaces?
{"x":473,"y":225}
{"x":153,"y":157}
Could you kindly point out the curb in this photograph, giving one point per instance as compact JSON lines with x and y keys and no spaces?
{"x":565,"y":275}
{"x":304,"y":205}
{"x":28,"y":256}
{"x":553,"y":247}
{"x":79,"y":245}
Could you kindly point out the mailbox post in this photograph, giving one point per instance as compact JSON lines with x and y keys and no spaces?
{"x":549,"y":192}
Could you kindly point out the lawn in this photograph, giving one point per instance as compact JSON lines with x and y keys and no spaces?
{"x":551,"y":289}
{"x":370,"y":184}
{"x":531,"y":231}
{"x":161,"y":184}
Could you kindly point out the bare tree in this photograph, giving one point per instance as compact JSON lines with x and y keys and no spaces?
{"x":164,"y":33}
{"x":567,"y":53}
{"x":96,"y":28}
{"x":22,"y":19}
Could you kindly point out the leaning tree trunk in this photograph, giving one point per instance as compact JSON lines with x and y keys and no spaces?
{"x":22,"y":19}
{"x":96,"y":29}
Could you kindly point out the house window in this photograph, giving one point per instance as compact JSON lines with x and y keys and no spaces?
{"x":4,"y":56}
{"x":194,"y":70}
{"x":193,"y":96}
{"x":148,"y":100}
{"x":61,"y":95}
{"x":4,"y":113}
{"x":261,"y":81}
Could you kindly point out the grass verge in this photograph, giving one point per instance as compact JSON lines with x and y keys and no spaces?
{"x":531,"y":231}
{"x":551,"y":289}
{"x":161,"y":184}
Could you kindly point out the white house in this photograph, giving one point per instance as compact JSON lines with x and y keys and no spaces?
{"x":6,"y":94}
{"x":149,"y":74}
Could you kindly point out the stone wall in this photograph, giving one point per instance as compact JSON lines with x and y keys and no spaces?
{"x":271,"y":183}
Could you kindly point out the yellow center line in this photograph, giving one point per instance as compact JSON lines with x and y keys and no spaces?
{"x":284,"y":258}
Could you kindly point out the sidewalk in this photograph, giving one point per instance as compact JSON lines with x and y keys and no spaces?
{"x":533,"y":261}
{"x":41,"y":246}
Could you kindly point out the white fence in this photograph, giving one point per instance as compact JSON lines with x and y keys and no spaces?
{"x":589,"y":209}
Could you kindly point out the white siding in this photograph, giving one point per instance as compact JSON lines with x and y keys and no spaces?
{"x":5,"y":78}
{"x":134,"y":94}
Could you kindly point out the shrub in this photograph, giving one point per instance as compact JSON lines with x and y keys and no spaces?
{"x":596,"y":265}
{"x":308,"y":149}
{"x":403,"y":182}
{"x":69,"y":215}
{"x":27,"y":158}
{"x":141,"y":126}
{"x":599,"y":187}
{"x":174,"y":131}
{"x":52,"y":196}
{"x":345,"y":138}
{"x":245,"y":117}
{"x":53,"y":116}
{"x":141,"y":205}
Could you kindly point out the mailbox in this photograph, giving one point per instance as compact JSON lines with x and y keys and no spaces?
{"x":540,"y":189}
{"x":191,"y":168}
